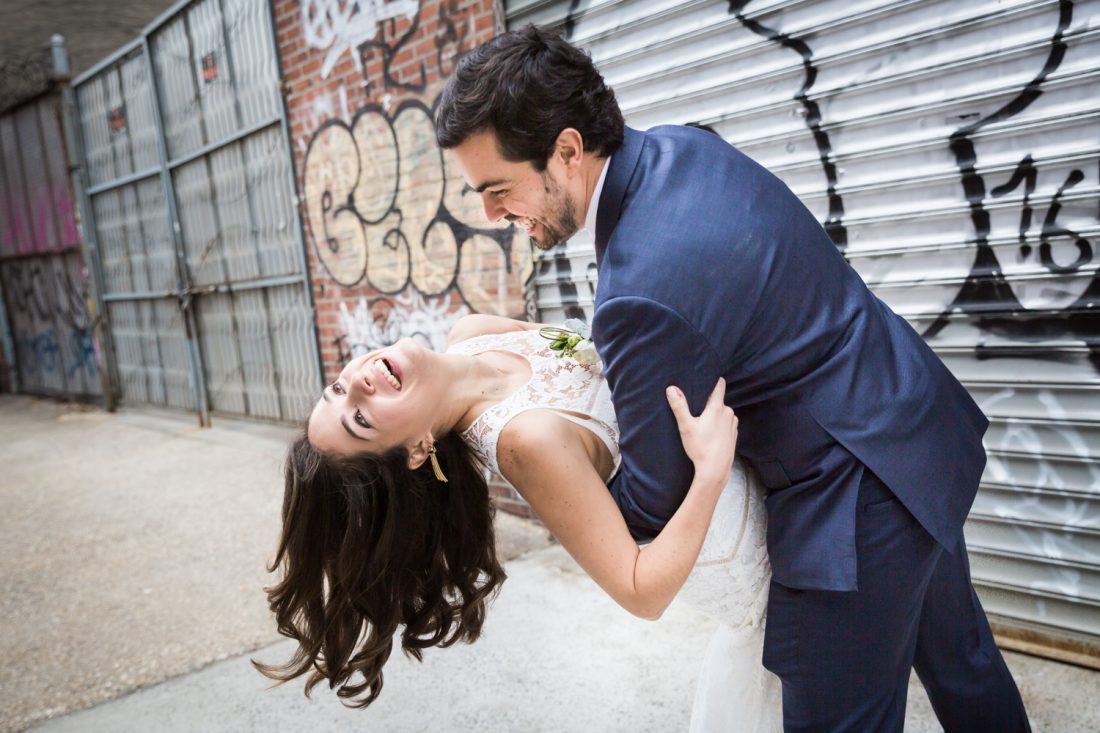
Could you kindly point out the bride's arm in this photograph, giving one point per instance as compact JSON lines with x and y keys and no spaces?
{"x":546,"y":461}
{"x":480,"y":324}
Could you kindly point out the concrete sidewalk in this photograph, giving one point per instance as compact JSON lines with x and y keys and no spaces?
{"x":132,"y":552}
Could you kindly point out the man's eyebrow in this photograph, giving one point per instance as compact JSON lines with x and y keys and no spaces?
{"x":488,"y":184}
{"x":352,"y":433}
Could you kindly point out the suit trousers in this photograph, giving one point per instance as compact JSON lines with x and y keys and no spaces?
{"x":844,"y":657}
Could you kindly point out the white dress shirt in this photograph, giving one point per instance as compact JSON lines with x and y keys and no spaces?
{"x":594,"y":202}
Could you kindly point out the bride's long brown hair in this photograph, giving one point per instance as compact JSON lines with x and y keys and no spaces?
{"x":368,"y":546}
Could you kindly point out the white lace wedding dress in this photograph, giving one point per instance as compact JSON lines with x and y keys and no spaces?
{"x":730,"y":579}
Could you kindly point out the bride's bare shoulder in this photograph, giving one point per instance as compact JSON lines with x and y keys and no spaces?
{"x":537,"y":443}
{"x":481,"y":324}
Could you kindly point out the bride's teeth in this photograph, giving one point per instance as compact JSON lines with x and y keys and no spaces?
{"x":390,"y":378}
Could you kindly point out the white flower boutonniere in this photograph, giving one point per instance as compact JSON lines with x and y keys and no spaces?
{"x":572,"y":339}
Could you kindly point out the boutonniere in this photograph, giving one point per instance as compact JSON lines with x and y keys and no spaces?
{"x":572,"y":339}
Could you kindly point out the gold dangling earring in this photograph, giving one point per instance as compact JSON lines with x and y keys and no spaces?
{"x":435,"y":465}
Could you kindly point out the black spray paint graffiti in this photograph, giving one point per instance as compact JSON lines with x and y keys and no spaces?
{"x":834,"y":222}
{"x":986,"y":284}
{"x":50,"y":324}
{"x":387,"y":46}
{"x":559,"y":261}
{"x":369,"y":33}
{"x":986,"y":295}
{"x":382,"y":207}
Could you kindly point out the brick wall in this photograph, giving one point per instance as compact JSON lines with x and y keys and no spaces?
{"x":395,"y":247}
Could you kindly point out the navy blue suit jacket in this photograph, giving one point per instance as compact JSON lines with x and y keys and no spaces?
{"x":709,"y":266}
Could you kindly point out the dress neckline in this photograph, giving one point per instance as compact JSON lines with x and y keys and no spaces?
{"x":526,"y":386}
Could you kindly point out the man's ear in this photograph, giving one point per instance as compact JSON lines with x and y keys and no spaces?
{"x":569,"y":148}
{"x":418,"y":452}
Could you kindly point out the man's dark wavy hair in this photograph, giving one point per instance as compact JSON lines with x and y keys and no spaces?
{"x":527,"y":86}
{"x":368,"y":546}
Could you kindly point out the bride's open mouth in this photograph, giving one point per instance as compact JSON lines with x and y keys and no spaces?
{"x":388,"y":371}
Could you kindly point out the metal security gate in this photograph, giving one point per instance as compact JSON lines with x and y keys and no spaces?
{"x":48,"y":342}
{"x":191,"y":208}
{"x":952,"y":151}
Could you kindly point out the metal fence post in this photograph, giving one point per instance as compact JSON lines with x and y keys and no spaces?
{"x":74,"y":157}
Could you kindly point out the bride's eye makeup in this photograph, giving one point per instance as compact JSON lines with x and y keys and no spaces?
{"x":361,"y":421}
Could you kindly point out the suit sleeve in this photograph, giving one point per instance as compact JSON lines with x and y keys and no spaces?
{"x":645,"y":347}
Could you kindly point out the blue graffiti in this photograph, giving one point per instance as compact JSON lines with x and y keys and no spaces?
{"x":82,"y":347}
{"x":41,"y":352}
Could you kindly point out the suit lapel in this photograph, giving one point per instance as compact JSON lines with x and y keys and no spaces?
{"x":623,"y":162}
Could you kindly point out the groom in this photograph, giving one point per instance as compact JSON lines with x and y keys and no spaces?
{"x":869,"y":449}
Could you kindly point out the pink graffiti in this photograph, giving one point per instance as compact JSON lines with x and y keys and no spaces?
{"x":34,"y":233}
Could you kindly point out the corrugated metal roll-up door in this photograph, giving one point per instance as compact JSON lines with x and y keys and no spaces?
{"x":952,"y":151}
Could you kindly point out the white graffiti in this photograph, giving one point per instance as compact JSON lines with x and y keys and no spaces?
{"x":383,"y":321}
{"x":344,"y":25}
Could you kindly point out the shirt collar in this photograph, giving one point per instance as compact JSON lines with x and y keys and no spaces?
{"x":594,"y":202}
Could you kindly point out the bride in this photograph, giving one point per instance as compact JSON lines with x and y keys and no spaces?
{"x":387,"y":522}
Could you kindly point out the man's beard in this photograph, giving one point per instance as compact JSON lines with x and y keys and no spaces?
{"x":560,"y":224}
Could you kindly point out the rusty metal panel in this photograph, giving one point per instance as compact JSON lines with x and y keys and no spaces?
{"x":17,"y":233}
{"x":45,"y":300}
{"x":952,"y":152}
{"x":42,"y":278}
{"x":54,"y":201}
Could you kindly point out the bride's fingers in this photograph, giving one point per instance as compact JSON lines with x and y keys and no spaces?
{"x":679,"y":405}
{"x":718,"y":394}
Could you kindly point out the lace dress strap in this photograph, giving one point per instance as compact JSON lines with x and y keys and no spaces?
{"x":577,"y":392}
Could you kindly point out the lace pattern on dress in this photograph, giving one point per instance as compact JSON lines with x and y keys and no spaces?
{"x":731,"y":577}
{"x":576,"y":391}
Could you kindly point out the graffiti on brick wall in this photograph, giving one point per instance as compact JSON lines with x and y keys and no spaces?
{"x":366,"y":30}
{"x":342,"y":26}
{"x":373,"y":323}
{"x":384,"y":208}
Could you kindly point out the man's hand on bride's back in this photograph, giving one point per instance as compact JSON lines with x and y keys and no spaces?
{"x":709,"y":439}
